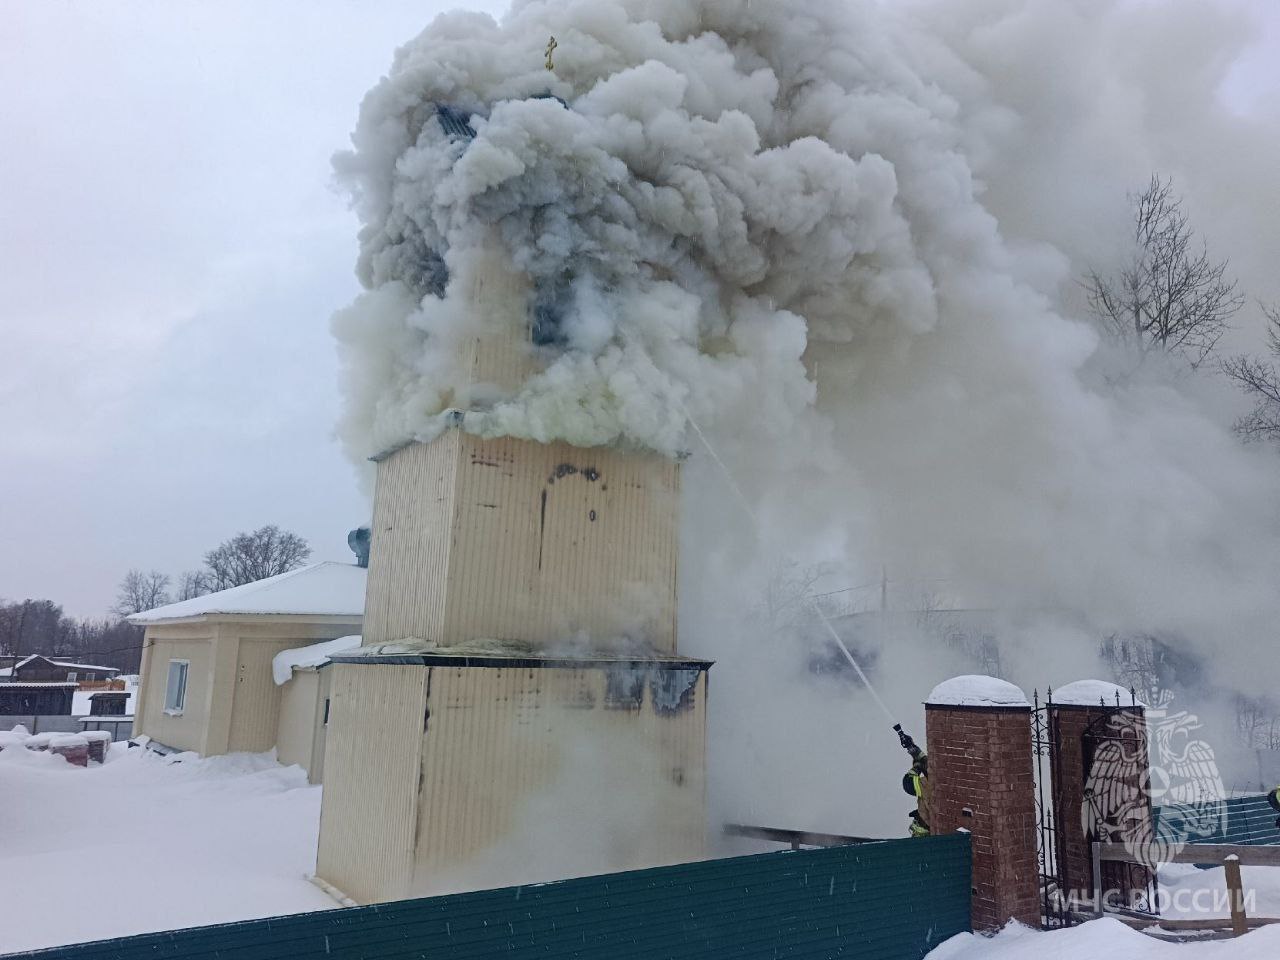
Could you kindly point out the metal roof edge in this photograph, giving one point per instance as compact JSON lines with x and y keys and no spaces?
{"x":558,"y":663}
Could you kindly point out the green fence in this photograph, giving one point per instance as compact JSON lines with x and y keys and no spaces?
{"x":893,"y":900}
{"x":1247,"y":820}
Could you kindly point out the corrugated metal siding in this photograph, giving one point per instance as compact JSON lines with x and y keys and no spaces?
{"x":297,"y":729}
{"x":315,"y":772}
{"x":895,"y":900}
{"x":530,"y":774}
{"x":255,"y":705}
{"x":1248,"y":820}
{"x":514,"y":540}
{"x":411,"y":537}
{"x":368,"y":814}
{"x":502,"y":356}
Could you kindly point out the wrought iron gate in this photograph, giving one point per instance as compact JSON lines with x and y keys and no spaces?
{"x":1054,"y":908}
{"x":1080,"y":786}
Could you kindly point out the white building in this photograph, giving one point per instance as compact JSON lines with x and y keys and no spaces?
{"x":206,"y":678}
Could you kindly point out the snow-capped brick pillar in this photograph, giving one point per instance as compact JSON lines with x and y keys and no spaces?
{"x":982,"y":779}
{"x":1087,"y":716}
{"x":72,"y":747}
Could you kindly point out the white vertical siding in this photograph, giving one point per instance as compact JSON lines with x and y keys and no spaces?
{"x":514,"y":540}
{"x":368,"y":817}
{"x":521,"y":775}
{"x":529,"y":775}
{"x":297,"y":728}
{"x":411,"y":539}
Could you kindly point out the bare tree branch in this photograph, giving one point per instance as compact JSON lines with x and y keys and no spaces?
{"x":246,"y":557}
{"x":1172,"y":297}
{"x":1260,"y":379}
{"x":140,"y":591}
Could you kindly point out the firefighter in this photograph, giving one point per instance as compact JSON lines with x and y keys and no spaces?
{"x":1273,"y":798}
{"x":916,"y":783}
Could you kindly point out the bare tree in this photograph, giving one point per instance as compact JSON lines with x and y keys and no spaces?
{"x":247,"y":557}
{"x":194,"y":583}
{"x":140,"y":591}
{"x":1172,"y":297}
{"x":1259,"y":378}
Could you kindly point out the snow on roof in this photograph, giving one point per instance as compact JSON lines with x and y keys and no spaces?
{"x":24,"y":684}
{"x":1093,"y":693}
{"x":977,"y":691}
{"x":320,"y":589}
{"x":82,"y":666}
{"x":286,"y":661}
{"x":57,"y":663}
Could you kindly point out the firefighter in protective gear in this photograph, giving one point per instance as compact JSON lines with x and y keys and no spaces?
{"x":1273,"y":798}
{"x":916,"y":784}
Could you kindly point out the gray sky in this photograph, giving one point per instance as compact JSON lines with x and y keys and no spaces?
{"x":170,"y":253}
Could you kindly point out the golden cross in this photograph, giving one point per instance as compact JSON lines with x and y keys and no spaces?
{"x":551,"y":46}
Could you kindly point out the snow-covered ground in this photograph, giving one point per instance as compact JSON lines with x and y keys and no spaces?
{"x":1104,"y":939}
{"x":1188,"y":892}
{"x":145,"y":843}
{"x":140,"y":844}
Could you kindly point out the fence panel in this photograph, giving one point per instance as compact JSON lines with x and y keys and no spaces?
{"x":1249,"y":820}
{"x":894,"y":900}
{"x":41,"y":723}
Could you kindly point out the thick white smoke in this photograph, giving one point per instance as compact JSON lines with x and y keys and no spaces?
{"x":844,"y":239}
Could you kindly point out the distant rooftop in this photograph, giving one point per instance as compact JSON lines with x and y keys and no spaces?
{"x":324,"y":589}
{"x":8,"y":671}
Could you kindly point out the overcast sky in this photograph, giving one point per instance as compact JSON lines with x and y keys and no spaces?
{"x":170,"y":253}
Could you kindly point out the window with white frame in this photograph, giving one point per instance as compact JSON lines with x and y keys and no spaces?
{"x":175,"y":694}
{"x":71,"y":676}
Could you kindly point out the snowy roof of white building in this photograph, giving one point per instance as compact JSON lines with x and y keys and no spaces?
{"x":977,"y":691}
{"x":300,"y":658}
{"x":325,"y":589}
{"x":1094,"y":693}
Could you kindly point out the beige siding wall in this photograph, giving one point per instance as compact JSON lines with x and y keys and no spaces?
{"x":301,"y":736}
{"x":255,"y":705}
{"x":411,"y":537}
{"x":315,"y":772}
{"x":232,"y":702}
{"x":522,"y":775}
{"x":193,"y":643}
{"x":368,"y":816}
{"x":297,"y":731}
{"x":514,"y":540}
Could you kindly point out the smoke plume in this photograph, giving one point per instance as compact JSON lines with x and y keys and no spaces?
{"x":844,"y":239}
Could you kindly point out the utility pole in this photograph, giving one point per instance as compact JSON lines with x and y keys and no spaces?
{"x":884,"y":588}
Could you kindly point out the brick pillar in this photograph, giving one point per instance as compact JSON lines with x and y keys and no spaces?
{"x":72,"y":747}
{"x":982,"y":779}
{"x":99,"y":741}
{"x":1116,"y":722}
